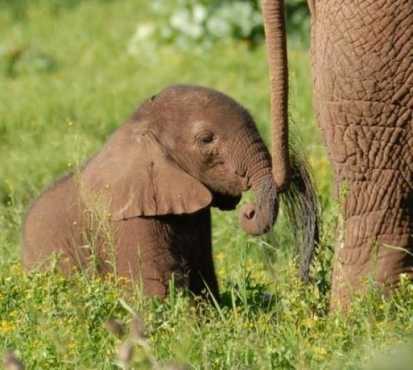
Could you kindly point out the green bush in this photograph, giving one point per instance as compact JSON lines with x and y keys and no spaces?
{"x":201,"y":22}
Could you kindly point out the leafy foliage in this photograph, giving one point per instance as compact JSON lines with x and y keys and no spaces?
{"x":186,"y":21}
{"x":190,"y":23}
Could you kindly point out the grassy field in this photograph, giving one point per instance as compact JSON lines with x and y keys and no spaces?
{"x":68,"y":78}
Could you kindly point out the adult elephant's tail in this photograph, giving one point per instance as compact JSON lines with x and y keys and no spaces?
{"x":292,"y":180}
{"x":301,"y":205}
{"x":276,"y":42}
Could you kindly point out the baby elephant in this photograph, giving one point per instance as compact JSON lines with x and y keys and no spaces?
{"x":140,"y":207}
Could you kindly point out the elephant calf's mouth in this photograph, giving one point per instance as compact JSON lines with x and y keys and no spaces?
{"x":225,"y":202}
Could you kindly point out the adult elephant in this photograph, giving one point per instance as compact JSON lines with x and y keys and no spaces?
{"x":363,"y":87}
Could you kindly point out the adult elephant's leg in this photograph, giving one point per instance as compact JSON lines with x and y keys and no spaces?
{"x":363,"y":78}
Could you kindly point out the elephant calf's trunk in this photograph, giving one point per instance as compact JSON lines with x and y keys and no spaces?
{"x":258,"y":218}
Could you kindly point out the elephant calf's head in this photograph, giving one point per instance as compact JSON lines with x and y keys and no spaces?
{"x":183,"y":150}
{"x":214,"y":139}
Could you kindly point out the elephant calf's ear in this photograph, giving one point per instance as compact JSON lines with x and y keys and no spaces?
{"x":138,"y":178}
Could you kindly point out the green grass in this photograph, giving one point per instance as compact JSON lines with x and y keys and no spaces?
{"x":74,"y":83}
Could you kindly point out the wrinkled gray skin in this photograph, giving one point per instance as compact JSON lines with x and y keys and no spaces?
{"x":141,"y":206}
{"x":363,"y":83}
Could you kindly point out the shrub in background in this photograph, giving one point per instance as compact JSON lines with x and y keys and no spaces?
{"x":190,"y":23}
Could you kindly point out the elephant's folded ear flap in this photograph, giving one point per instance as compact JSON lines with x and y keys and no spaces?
{"x":139,"y":179}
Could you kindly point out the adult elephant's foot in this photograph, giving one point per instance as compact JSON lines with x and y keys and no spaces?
{"x":378,"y":234}
{"x":382,"y":262}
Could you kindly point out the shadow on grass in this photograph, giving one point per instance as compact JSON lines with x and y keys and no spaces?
{"x":249,"y":294}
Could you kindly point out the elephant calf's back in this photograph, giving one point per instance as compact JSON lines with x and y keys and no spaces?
{"x":51,"y":224}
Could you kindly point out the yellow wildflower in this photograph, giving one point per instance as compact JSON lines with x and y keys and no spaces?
{"x":220,"y":256}
{"x":320,"y":352}
{"x":6,"y":327}
{"x":309,"y":322}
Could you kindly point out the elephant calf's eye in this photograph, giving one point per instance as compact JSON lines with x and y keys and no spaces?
{"x":207,"y":138}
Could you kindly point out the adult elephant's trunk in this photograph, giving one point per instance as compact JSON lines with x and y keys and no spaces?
{"x":273,"y":13}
